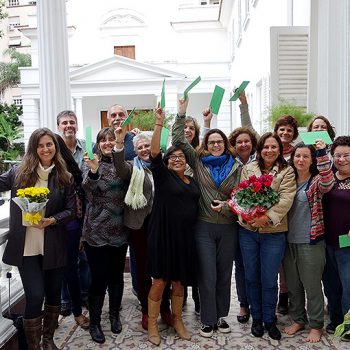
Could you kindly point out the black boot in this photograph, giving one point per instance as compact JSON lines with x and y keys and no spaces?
{"x":115,"y":293}
{"x":95,"y":310}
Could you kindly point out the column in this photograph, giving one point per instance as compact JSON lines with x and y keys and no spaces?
{"x":53,"y":60}
{"x":79,"y":113}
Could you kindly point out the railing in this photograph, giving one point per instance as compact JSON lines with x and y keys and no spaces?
{"x":15,"y":292}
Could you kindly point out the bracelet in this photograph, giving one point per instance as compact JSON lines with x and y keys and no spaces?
{"x":119,"y":142}
{"x":161,"y":125}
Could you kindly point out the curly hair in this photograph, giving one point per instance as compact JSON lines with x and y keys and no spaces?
{"x":232,"y":138}
{"x":287,"y":120}
{"x":202,"y":150}
{"x":27,"y":173}
{"x":330,"y":127}
{"x":280,"y":160}
{"x":340,"y":141}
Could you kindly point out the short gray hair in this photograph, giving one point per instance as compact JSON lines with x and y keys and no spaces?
{"x":138,"y":137}
{"x":66,"y":113}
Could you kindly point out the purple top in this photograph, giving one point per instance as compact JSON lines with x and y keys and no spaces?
{"x":336,"y":204}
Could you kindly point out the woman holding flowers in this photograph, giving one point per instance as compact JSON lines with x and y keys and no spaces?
{"x":216,"y":171}
{"x":305,"y":255}
{"x":262,"y":236}
{"x":39,"y":250}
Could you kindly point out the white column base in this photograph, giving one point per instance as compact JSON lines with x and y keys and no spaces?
{"x":7,"y":330}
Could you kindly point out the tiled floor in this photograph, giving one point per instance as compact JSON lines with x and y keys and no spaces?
{"x":70,"y":337}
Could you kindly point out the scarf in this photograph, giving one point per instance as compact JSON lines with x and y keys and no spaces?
{"x":134,"y":196}
{"x":288,"y":149}
{"x":219,"y":167}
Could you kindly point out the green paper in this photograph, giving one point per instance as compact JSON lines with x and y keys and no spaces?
{"x":164,"y":139}
{"x":127,"y":121}
{"x":344,"y":241}
{"x":240,"y":89}
{"x":309,"y":138}
{"x":191,"y":86}
{"x":162,"y":96}
{"x":216,"y":99}
{"x":88,"y":142}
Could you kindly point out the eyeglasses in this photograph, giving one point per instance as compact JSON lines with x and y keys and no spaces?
{"x":218,"y":142}
{"x":177,"y":157}
{"x":345,"y":156}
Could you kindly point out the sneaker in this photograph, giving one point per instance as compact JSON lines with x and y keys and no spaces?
{"x":223,"y":326}
{"x":330,"y":329}
{"x":206,"y":331}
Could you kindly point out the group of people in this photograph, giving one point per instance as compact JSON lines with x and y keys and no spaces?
{"x":173,"y":210}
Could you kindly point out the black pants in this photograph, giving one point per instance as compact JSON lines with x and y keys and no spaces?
{"x":39,"y":284}
{"x":106,"y":267}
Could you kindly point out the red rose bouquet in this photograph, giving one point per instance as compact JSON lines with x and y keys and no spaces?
{"x":253,"y":197}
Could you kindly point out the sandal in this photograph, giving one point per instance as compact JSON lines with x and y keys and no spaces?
{"x":82,"y":321}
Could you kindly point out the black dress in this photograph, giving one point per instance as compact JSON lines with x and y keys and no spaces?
{"x":171,"y":247}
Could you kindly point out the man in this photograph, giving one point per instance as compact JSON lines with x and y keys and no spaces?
{"x":67,"y":126}
{"x":115,"y":116}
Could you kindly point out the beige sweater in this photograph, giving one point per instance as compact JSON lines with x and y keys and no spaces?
{"x":34,"y":242}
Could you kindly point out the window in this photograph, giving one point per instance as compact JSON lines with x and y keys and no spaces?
{"x":210,"y":2}
{"x":14,"y":22}
{"x":17,"y":100}
{"x":12,"y":3}
{"x":125,"y":51}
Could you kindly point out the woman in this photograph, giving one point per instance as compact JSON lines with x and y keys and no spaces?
{"x":104,"y":234}
{"x":305,"y":255}
{"x":336,"y":205}
{"x":139,"y":200}
{"x":71,"y":275}
{"x":39,"y":251}
{"x":170,"y":236}
{"x":321,"y":123}
{"x":263,"y":239}
{"x":216,"y":172}
{"x":244,"y":141}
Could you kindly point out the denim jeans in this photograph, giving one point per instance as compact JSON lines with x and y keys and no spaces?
{"x":240,"y":279}
{"x":262,"y":256}
{"x":336,"y":281}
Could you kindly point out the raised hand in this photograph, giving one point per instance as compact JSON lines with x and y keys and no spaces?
{"x":319,"y":144}
{"x":242,"y":98}
{"x":207,"y":117}
{"x":92,"y":164}
{"x":183,"y":106}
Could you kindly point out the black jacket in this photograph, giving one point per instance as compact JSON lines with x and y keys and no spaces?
{"x":61,"y":205}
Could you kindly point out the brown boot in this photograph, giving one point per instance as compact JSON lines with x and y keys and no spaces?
{"x":33,"y":330}
{"x":153,"y":313}
{"x":176,"y":307}
{"x":50,"y":322}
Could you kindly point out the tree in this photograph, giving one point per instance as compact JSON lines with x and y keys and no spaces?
{"x":9,"y":71}
{"x":10,"y":132}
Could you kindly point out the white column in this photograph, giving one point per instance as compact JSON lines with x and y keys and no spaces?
{"x":53,"y":60}
{"x":79,"y":113}
{"x":329,"y":62}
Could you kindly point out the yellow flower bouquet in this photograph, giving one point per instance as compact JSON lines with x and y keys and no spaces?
{"x":32,"y":201}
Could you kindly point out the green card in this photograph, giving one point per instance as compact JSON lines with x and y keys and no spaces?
{"x":162,"y":96}
{"x":127,"y":121}
{"x":216,"y":99}
{"x":164,"y":139}
{"x":309,"y":138}
{"x":240,"y":89}
{"x":344,"y":241}
{"x":88,"y":142}
{"x":191,"y":86}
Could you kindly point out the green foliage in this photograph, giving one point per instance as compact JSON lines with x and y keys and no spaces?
{"x":248,"y":198}
{"x":344,"y":328}
{"x":10,"y":132}
{"x":9,"y":71}
{"x":287,"y":108}
{"x":145,"y":120}
{"x":3,"y":14}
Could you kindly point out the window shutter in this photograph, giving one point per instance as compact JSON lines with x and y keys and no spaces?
{"x":289,"y":64}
